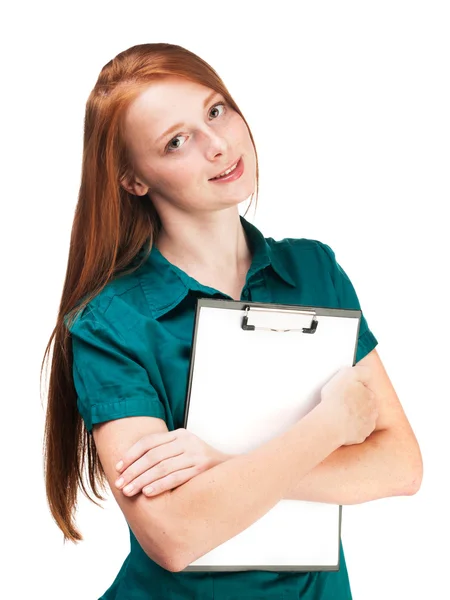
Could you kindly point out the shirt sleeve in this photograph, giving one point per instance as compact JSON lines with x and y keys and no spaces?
{"x":109,"y":383}
{"x":348,"y":299}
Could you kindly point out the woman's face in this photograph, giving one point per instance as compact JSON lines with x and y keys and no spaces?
{"x":203,"y":140}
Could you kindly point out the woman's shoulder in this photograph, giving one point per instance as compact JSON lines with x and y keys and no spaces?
{"x":302,"y":251}
{"x":121,"y":302}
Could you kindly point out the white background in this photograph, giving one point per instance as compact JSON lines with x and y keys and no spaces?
{"x":349,"y":105}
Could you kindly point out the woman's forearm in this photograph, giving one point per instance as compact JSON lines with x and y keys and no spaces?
{"x":221,"y":502}
{"x":375,"y":469}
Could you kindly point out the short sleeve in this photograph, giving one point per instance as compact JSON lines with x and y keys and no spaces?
{"x":109,"y":383}
{"x":348,"y":299}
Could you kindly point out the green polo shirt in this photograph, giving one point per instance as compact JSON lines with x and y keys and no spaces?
{"x":131,"y":353}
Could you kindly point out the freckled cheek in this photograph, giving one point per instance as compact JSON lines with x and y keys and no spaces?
{"x":182,"y":177}
{"x":239,"y":126}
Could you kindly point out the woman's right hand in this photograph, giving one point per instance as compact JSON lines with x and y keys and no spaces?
{"x":352,"y":404}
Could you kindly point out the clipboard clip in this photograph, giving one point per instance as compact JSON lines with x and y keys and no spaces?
{"x":246,"y":326}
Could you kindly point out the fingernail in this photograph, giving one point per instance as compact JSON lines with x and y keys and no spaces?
{"x":119,"y":465}
{"x":119,"y":482}
{"x":148,"y":490}
{"x":128,"y":488}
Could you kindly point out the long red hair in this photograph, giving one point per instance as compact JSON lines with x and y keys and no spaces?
{"x":110,"y":227}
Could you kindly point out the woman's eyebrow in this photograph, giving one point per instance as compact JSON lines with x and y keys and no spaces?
{"x":181,"y":125}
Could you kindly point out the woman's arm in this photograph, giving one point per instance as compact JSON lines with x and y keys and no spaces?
{"x":177,"y":527}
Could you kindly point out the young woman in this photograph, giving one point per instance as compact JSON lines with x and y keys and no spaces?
{"x":157,"y":226}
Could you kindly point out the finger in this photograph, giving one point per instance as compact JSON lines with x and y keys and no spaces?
{"x":147,"y":461}
{"x":153,"y":440}
{"x":171,"y":481}
{"x":162,"y":470}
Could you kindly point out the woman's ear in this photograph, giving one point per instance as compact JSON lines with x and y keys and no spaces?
{"x":133,"y":185}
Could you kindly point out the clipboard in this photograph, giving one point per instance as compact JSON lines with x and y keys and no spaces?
{"x":255,"y":370}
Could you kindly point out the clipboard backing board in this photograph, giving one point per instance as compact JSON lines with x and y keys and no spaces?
{"x":247,"y":386}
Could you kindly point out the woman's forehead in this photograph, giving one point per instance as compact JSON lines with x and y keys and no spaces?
{"x":160,"y":107}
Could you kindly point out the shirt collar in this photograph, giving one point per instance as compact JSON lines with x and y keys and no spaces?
{"x":165,"y":285}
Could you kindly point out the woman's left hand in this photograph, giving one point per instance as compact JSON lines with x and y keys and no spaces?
{"x":163,"y":461}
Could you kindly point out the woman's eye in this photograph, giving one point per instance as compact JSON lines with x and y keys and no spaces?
{"x":218,"y":104}
{"x":170,"y":148}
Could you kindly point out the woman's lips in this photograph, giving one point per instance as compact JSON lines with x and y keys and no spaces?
{"x":235,"y":174}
